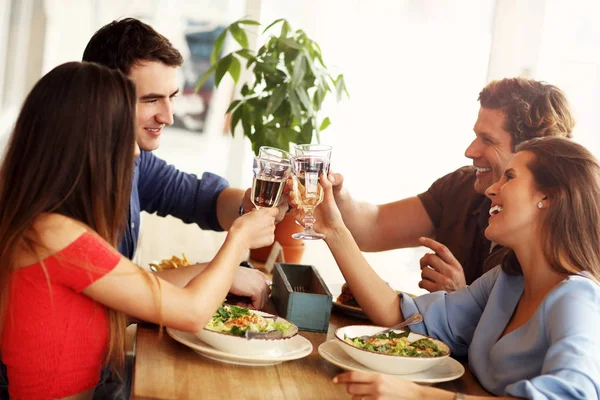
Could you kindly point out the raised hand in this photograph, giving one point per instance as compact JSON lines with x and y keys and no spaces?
{"x":282,"y":207}
{"x":440,"y":270}
{"x":327,"y":214}
{"x":256,"y":228}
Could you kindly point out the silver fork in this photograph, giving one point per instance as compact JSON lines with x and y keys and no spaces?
{"x":415,"y":319}
{"x":299,"y":289}
{"x":274,"y":334}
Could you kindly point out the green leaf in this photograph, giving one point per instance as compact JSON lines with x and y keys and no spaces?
{"x":285,"y":29}
{"x":299,"y":70}
{"x":248,"y":22}
{"x":306,"y":133}
{"x":276,"y":99}
{"x":324,"y":124}
{"x":234,"y":104}
{"x":235,"y":69}
{"x":318,"y":99}
{"x":235,"y":119}
{"x":303,"y":96}
{"x":222,"y":67}
{"x":273,"y":23}
{"x":214,"y":55}
{"x":340,"y":87}
{"x":246,"y":118}
{"x":239,"y":35}
{"x":261,"y":66}
{"x":204,"y":77}
{"x":296,"y":108}
{"x":246,"y":53}
{"x":291,"y":43}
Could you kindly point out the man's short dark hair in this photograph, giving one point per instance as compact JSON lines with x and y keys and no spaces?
{"x":123,"y":44}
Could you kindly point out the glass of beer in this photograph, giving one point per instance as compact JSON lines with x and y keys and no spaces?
{"x":269,"y":180}
{"x":307,"y":169}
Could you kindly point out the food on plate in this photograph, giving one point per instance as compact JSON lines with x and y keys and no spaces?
{"x":171,"y":263}
{"x":346,"y":297}
{"x":235,"y":320}
{"x":397,"y":344}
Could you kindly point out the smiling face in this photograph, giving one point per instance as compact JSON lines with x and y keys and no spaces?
{"x":156,"y":87}
{"x":491,"y":150}
{"x":515,"y":216}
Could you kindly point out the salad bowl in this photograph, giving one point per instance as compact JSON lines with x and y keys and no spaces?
{"x":400,"y":352}
{"x":238,"y":330}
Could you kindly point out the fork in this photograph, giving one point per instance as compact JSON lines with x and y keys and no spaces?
{"x":299,"y":289}
{"x":274,"y":334}
{"x":415,"y":319}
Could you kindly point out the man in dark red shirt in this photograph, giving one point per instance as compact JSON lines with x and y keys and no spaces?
{"x":454,"y":211}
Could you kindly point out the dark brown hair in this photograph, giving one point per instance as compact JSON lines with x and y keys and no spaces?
{"x":128,"y":42}
{"x":531,"y":108}
{"x":570,"y":176}
{"x":72,"y":153}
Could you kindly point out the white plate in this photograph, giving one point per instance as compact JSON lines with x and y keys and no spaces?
{"x":296,"y":347}
{"x":447,"y":370}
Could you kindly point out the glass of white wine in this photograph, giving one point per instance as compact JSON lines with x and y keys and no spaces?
{"x":307,"y":170}
{"x":269,"y":180}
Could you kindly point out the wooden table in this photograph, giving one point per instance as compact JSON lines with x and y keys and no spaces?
{"x":166,"y":369}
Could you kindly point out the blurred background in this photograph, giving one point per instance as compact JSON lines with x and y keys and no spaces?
{"x":413,"y":68}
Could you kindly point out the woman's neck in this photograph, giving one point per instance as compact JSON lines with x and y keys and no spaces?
{"x":539,"y":278}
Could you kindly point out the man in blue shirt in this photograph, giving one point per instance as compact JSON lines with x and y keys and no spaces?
{"x":151,"y":61}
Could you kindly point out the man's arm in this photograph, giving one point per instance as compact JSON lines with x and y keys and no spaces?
{"x":386,"y":226}
{"x":247,"y":282}
{"x":228,"y":206}
{"x":167,"y":191}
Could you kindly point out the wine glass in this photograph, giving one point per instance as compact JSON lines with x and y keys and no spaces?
{"x":269,"y":180}
{"x":307,"y":191}
{"x":274,"y":153}
{"x":317,"y":150}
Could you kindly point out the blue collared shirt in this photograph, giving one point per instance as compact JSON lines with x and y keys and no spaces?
{"x":161,"y":188}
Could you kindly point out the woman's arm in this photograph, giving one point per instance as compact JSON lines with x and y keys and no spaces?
{"x":129,"y":289}
{"x":376,"y":386}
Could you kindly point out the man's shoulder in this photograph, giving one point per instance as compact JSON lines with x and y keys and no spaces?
{"x":457,"y":183}
{"x":462,"y":176}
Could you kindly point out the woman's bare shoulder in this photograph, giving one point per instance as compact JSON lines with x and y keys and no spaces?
{"x":55,"y":231}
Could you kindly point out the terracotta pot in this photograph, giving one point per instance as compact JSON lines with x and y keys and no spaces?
{"x":293,"y":249}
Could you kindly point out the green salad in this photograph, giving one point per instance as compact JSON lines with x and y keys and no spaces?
{"x":397,"y":344}
{"x":235,"y":320}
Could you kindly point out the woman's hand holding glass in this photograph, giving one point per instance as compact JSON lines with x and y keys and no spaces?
{"x":256,"y":229}
{"x":327,"y":217}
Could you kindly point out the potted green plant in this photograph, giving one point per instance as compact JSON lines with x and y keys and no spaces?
{"x":280,"y":104}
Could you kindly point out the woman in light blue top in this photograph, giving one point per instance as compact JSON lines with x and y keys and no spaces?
{"x":530,"y":326}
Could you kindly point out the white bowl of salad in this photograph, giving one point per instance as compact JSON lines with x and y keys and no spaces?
{"x":398,"y":352}
{"x":230,"y":328}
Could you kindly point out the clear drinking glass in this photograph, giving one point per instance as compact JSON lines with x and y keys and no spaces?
{"x":316,"y":150}
{"x":273,"y":153}
{"x":269,"y":180}
{"x":307,"y":191}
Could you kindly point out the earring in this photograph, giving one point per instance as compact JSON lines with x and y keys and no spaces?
{"x":540,"y":205}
